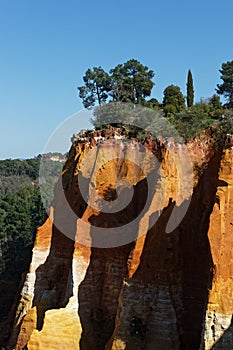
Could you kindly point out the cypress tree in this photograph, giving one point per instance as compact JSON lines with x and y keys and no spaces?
{"x":190,"y":90}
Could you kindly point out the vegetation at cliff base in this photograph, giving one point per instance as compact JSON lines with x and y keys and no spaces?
{"x":21,"y":213}
{"x":21,"y":207}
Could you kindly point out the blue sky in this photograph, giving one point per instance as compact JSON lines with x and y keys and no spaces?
{"x":46,"y":47}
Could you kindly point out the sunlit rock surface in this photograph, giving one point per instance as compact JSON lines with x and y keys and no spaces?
{"x":159,"y":291}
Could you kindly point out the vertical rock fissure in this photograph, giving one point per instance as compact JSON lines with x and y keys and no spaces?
{"x":99,"y":293}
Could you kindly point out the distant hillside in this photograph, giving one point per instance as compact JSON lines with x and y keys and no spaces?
{"x":21,"y":212}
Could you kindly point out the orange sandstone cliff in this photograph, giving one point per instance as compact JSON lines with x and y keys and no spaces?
{"x":157,"y":290}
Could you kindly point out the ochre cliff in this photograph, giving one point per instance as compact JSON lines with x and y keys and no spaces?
{"x":157,"y":291}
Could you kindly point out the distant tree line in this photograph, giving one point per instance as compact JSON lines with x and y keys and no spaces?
{"x":29,"y":167}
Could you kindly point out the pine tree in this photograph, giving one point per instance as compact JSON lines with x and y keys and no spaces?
{"x":190,"y":90}
{"x":127,"y":82}
{"x":226,"y":88}
{"x":96,"y":88}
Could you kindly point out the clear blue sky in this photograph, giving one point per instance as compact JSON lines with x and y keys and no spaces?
{"x":47,"y":45}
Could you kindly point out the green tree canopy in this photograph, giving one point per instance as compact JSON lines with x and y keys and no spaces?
{"x":173,"y":100}
{"x":226,"y":88}
{"x":153,"y":103}
{"x":215,"y":102}
{"x":131,"y":81}
{"x":127,"y":82}
{"x":191,"y":121}
{"x":190,"y":90}
{"x":96,"y":88}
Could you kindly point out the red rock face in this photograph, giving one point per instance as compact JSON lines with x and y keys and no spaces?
{"x":158,"y":291}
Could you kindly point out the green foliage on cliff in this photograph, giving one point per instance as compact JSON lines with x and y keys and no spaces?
{"x":173,"y":100}
{"x":190,"y":122}
{"x":190,"y":89}
{"x":132,"y":82}
{"x":127,"y":82}
{"x":187,"y":122}
{"x":96,"y":88}
{"x":226,"y":88}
